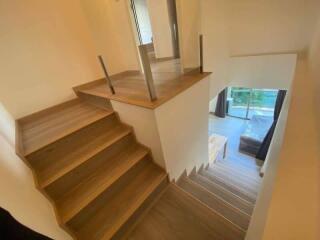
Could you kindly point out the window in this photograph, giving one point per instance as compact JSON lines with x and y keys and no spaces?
{"x":246,"y":102}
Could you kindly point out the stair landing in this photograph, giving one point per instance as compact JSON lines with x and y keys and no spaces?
{"x":131,"y":88}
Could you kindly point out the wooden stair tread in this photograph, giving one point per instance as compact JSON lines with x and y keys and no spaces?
{"x":177,"y":215}
{"x":81,"y":154}
{"x":242,"y":162}
{"x":250,"y":174}
{"x":39,"y":129}
{"x":220,"y":206}
{"x":108,"y":217}
{"x":223,"y":193}
{"x":230,"y":187}
{"x":72,"y":202}
{"x":236,"y":180}
{"x":237,"y":176}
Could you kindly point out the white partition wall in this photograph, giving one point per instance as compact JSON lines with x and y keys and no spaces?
{"x":176,"y":132}
{"x":183,"y":128}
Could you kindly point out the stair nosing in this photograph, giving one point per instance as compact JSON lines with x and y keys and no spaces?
{"x":103,"y":189}
{"x":68,"y":133}
{"x":227,"y":221}
{"x":44,"y":184}
{"x":230,"y":206}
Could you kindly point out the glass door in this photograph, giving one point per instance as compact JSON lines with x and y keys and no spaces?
{"x":247,"y":102}
{"x":262,"y":102}
{"x":238,"y":102}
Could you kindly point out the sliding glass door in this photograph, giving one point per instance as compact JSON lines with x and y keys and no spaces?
{"x":262,"y":102}
{"x":246,"y":102}
{"x":238,"y":101}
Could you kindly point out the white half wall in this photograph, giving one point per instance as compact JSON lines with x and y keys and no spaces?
{"x":144,"y":123}
{"x":183,"y":129}
{"x":176,"y":132}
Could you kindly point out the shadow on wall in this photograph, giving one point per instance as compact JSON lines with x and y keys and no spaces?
{"x":7,"y":126}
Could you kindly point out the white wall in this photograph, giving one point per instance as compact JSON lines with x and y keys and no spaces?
{"x":183,"y":129}
{"x":270,"y":26}
{"x":216,"y":51}
{"x":111,"y":28}
{"x":7,"y":126}
{"x":144,"y":20}
{"x":20,"y":197}
{"x":176,"y":132}
{"x":250,"y":27}
{"x":314,"y":55}
{"x":162,"y":39}
{"x":144,"y":124}
{"x":265,"y":71}
{"x":46,"y":49}
{"x":289,"y":198}
{"x":189,"y":23}
{"x":269,"y":170}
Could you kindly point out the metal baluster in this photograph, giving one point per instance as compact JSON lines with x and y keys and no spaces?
{"x":147,"y":72}
{"x":106,"y":74}
{"x":201,"y":53}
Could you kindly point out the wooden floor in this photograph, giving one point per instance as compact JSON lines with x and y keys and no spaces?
{"x":130,"y":87}
{"x":232,"y":128}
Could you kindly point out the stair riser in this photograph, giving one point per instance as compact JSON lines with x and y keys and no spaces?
{"x":58,"y":188}
{"x":133,"y":221}
{"x":234,"y":215}
{"x":244,"y":195}
{"x":78,"y":221}
{"x":224,"y":194}
{"x":251,"y":187}
{"x":43,"y":157}
{"x":95,"y":100}
{"x":243,"y":175}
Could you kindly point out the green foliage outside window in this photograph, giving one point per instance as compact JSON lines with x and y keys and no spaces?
{"x":260,"y":98}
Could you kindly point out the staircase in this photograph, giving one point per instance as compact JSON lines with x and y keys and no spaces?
{"x":103,"y":184}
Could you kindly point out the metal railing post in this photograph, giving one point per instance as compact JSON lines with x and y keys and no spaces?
{"x":147,"y":72}
{"x":201,"y":53}
{"x":106,"y":74}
